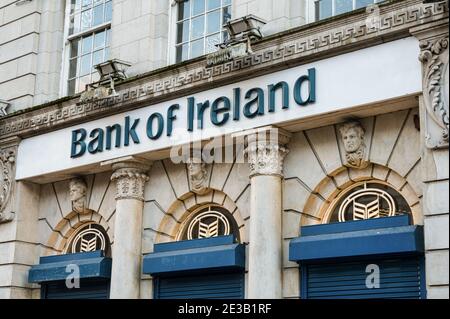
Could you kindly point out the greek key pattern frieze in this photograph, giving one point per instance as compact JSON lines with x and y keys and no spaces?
{"x":338,"y":34}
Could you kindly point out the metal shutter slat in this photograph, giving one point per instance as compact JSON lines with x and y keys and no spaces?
{"x":217,"y":286}
{"x":399,"y":278}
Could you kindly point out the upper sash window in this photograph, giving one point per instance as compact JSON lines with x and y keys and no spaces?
{"x":199,"y":27}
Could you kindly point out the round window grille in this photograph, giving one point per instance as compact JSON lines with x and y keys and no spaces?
{"x":211,"y":221}
{"x":89,"y":238}
{"x":367,"y":200}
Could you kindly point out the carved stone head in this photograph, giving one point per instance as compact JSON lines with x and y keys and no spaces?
{"x":352,"y":134}
{"x":198,"y":176}
{"x":77,"y":194}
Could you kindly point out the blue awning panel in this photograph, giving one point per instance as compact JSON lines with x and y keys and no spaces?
{"x":54,"y":268}
{"x":384,"y":236}
{"x":193,"y":255}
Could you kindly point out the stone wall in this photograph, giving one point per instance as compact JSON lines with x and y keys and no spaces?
{"x":31,"y":42}
{"x":315,"y":174}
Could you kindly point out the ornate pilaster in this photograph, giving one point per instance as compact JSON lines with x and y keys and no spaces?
{"x":130,"y":176}
{"x":266,"y":151}
{"x":130,"y":180}
{"x":8,"y":152}
{"x":434,"y":50}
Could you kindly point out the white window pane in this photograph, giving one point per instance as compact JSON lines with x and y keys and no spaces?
{"x":363,"y":3}
{"x":75,"y":24}
{"x":183,"y":32}
{"x":75,"y":6}
{"x":213,"y":4}
{"x":73,"y":68}
{"x":99,"y":40}
{"x":86,"y":4}
{"x":198,"y":27}
{"x":184,"y":10}
{"x":226,"y":15}
{"x":197,"y":48}
{"x":82,"y":82}
{"x":86,"y":19}
{"x":343,"y":6}
{"x":211,"y":42}
{"x":324,"y":8}
{"x":213,"y":22}
{"x":198,"y":7}
{"x":182,"y":52}
{"x":97,"y":58}
{"x":75,"y":48}
{"x":85,"y":64}
{"x":108,"y":11}
{"x":87,"y":45}
{"x":97,"y":15}
{"x":71,"y":86}
{"x":107,"y":54}
{"x":108,"y":37}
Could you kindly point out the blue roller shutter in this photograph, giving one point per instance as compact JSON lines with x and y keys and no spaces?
{"x":213,"y":286}
{"x":89,"y":289}
{"x":399,"y":278}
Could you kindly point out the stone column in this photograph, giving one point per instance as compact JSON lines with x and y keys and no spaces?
{"x":130,"y":177}
{"x":266,"y":152}
{"x":434,"y":127}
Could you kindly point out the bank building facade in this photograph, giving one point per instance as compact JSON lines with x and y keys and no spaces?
{"x":237,"y":149}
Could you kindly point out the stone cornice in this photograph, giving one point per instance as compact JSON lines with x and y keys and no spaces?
{"x":293,"y":47}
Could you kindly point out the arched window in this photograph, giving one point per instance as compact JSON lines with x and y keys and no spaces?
{"x":209,"y":221}
{"x":89,"y":237}
{"x":367,"y":200}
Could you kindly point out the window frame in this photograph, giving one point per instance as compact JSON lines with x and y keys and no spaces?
{"x":67,"y":46}
{"x":313,"y":14}
{"x":173,"y":29}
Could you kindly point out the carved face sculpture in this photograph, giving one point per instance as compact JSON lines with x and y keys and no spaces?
{"x":352,"y":137}
{"x":78,"y":190}
{"x":196,"y":170}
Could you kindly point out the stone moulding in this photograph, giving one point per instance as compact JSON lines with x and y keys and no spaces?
{"x":305,"y":44}
{"x":434,"y":58}
{"x":7,"y":160}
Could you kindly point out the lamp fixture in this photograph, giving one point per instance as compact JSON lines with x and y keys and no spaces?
{"x":242,"y":32}
{"x":243,"y":29}
{"x":110,"y":71}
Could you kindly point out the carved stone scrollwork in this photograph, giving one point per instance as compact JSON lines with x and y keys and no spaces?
{"x":435,"y":62}
{"x":198,"y":176}
{"x":130,"y":180}
{"x":7,"y":160}
{"x":266,"y":152}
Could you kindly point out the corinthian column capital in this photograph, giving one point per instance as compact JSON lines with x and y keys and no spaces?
{"x":130,"y":176}
{"x":266,"y":151}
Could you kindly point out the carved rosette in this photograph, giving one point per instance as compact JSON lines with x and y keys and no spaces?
{"x":435,"y":62}
{"x":7,"y":160}
{"x":130,"y":183}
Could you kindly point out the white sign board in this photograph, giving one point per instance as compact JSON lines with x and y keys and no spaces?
{"x":377,"y":73}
